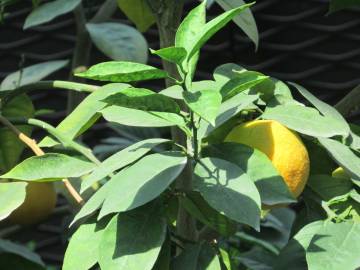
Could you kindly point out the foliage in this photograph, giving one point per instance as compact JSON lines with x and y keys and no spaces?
{"x":147,"y":198}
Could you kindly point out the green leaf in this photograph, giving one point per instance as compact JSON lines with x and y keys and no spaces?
{"x":272,"y":188}
{"x":133,"y":240}
{"x":122,"y":71}
{"x":336,"y":5}
{"x":244,"y":20}
{"x":93,"y":204}
{"x":257,"y":259}
{"x":85,"y":114}
{"x":187,"y":32}
{"x":143,"y":99}
{"x":118,"y":41}
{"x":328,"y":187}
{"x":11,"y":147}
{"x":295,"y":251}
{"x":205,"y":103}
{"x":343,"y":156}
{"x":139,"y":12}
{"x":84,"y":244}
{"x":304,"y":120}
{"x":31,"y":74}
{"x":171,"y":54}
{"x":226,"y":187}
{"x":131,"y":117}
{"x":49,"y":11}
{"x":199,"y":256}
{"x":227,"y":110}
{"x":163,"y":260}
{"x":174,"y":92}
{"x":325,"y":109}
{"x":12,"y":195}
{"x":200,"y":209}
{"x":335,"y":246}
{"x":226,"y":72}
{"x":120,"y":160}
{"x":241,"y":82}
{"x":7,"y":247}
{"x":211,"y":28}
{"x":142,"y":182}
{"x":49,"y":167}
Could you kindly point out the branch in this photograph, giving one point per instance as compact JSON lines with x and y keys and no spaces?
{"x":350,"y":103}
{"x":45,"y":85}
{"x":39,"y":152}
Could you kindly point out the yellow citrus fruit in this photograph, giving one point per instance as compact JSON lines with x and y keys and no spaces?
{"x":39,"y":203}
{"x":283,"y":147}
{"x":340,"y":173}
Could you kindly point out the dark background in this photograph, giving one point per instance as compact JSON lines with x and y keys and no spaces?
{"x":298,"y":42}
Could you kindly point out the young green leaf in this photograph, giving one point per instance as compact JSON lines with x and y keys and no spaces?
{"x":242,"y":81}
{"x":84,"y":243}
{"x":305,"y":120}
{"x":85,"y":114}
{"x":187,"y":32}
{"x":171,"y":54}
{"x":12,"y":195}
{"x":118,"y":41}
{"x":343,"y":155}
{"x":139,"y":12}
{"x":200,"y":209}
{"x":212,"y":27}
{"x":133,"y":240}
{"x":227,"y":110}
{"x":225,"y":187}
{"x":120,"y":160}
{"x":31,"y":74}
{"x":244,"y":20}
{"x":226,"y":72}
{"x":49,"y":167}
{"x":324,"y":108}
{"x":143,"y":99}
{"x":174,"y":92}
{"x":11,"y":147}
{"x":205,"y":103}
{"x":49,"y":11}
{"x":121,"y":71}
{"x":142,"y":182}
{"x":258,"y":167}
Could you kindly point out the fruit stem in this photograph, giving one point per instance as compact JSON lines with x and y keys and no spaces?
{"x":39,"y":152}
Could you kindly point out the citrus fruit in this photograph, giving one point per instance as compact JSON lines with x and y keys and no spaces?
{"x":283,"y":147}
{"x":39,"y":203}
{"x":340,"y":173}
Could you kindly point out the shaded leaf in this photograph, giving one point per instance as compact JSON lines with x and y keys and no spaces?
{"x":121,"y":71}
{"x":85,"y":114}
{"x":49,"y":11}
{"x":120,"y":160}
{"x":127,"y":243}
{"x":31,"y":74}
{"x":119,"y":41}
{"x":305,"y":120}
{"x":336,"y":5}
{"x":142,"y":182}
{"x":49,"y":167}
{"x":244,"y":20}
{"x":272,"y":188}
{"x":225,"y":187}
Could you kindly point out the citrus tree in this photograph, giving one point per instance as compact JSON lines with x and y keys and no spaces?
{"x":242,"y":150}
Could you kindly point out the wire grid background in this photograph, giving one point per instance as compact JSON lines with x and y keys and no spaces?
{"x":298,"y":42}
